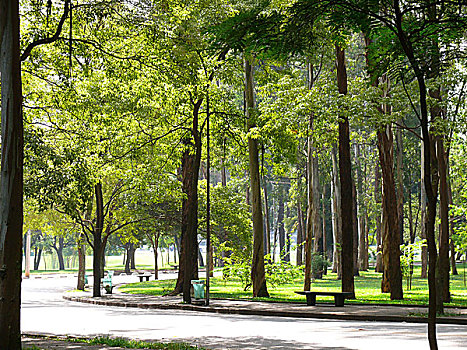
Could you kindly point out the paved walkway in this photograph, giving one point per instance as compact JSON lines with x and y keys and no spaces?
{"x":298,"y":310}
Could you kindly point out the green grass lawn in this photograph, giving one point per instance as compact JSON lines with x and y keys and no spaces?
{"x":367,"y":289}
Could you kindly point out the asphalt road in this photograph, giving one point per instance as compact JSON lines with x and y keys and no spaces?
{"x":45,"y":312}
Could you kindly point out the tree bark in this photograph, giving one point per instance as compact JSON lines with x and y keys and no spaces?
{"x":317,"y":232}
{"x":336,"y":217}
{"x":37,"y":258}
{"x":345,"y":172}
{"x":299,"y":234}
{"x":280,"y":222}
{"x":191,"y":160}
{"x":97,"y":244}
{"x":400,"y":182}
{"x":11,"y":178}
{"x":155,"y":246}
{"x":443,"y":261}
{"x":423,"y":207}
{"x":355,"y":228}
{"x":258,"y":276}
{"x":379,"y":244}
{"x":362,"y":249}
{"x":392,"y":276}
{"x":81,"y":262}
{"x":451,"y":226}
{"x":59,"y":251}
{"x":309,"y":183}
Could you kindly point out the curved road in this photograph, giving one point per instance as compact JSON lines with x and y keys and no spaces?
{"x":45,"y":312}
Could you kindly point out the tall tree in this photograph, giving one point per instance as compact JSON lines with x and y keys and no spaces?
{"x":258,"y":276}
{"x":345,"y":176}
{"x":11,"y":185}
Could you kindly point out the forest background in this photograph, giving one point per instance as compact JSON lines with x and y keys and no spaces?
{"x":338,"y":123}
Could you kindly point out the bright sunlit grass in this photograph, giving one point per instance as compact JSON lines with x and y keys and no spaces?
{"x":367,"y":289}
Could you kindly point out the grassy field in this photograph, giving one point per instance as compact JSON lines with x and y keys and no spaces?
{"x":144,"y":261}
{"x":367,"y":289}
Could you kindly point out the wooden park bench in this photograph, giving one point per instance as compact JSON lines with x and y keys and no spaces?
{"x":339,"y":297}
{"x":142,"y":276}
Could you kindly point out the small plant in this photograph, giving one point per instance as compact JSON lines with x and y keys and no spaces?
{"x":318,"y":265}
{"x":407,"y":258}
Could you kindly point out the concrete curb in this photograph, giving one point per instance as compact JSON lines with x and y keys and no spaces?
{"x":263,"y":312}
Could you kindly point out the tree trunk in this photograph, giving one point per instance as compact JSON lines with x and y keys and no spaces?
{"x":258,"y":276}
{"x":132,"y":256}
{"x":81,"y":262}
{"x":345,"y":172}
{"x":336,"y":217}
{"x":362,"y":248}
{"x":127,"y":261}
{"x":423,"y":206}
{"x":451,"y":226}
{"x":11,"y":183}
{"x":280,"y":222}
{"x":379,"y":237}
{"x":155,"y":246}
{"x":317,"y":232}
{"x":392,"y":277}
{"x":299,"y":234}
{"x":59,"y":250}
{"x":442,"y":268}
{"x":430,"y":190}
{"x":309,"y":182}
{"x":37,"y":258}
{"x":400,"y":182}
{"x":355,"y":228}
{"x":191,"y":160}
{"x":267,"y":241}
{"x":97,"y":244}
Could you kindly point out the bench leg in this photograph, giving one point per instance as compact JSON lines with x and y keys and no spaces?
{"x":339,"y":300}
{"x":147,"y":278}
{"x":311,"y":299}
{"x":140,"y":279}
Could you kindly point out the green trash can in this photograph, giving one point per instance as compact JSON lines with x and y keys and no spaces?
{"x":198,"y":288}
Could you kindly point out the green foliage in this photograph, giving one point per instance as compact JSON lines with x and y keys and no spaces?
{"x":134,"y":344}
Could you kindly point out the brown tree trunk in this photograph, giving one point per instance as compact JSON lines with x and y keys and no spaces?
{"x":392,"y":276}
{"x":379,"y":239}
{"x":258,"y":276}
{"x":280,"y":222}
{"x":336,"y":217}
{"x":400,"y":182}
{"x":155,"y":246}
{"x":355,"y":228}
{"x":97,"y":243}
{"x":59,"y":251}
{"x":361,"y":213}
{"x":299,"y":234}
{"x":81,"y":262}
{"x":443,"y":261}
{"x":37,"y":258}
{"x":345,"y":172}
{"x":132,"y":256}
{"x":11,"y":192}
{"x":317,"y":232}
{"x":188,"y":258}
{"x":423,"y":206}
{"x":451,"y":226}
{"x":323,"y":213}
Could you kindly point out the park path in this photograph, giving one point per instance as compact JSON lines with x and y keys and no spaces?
{"x":45,"y":312}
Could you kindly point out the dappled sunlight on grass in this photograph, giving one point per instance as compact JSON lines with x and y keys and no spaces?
{"x":367,"y":289}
